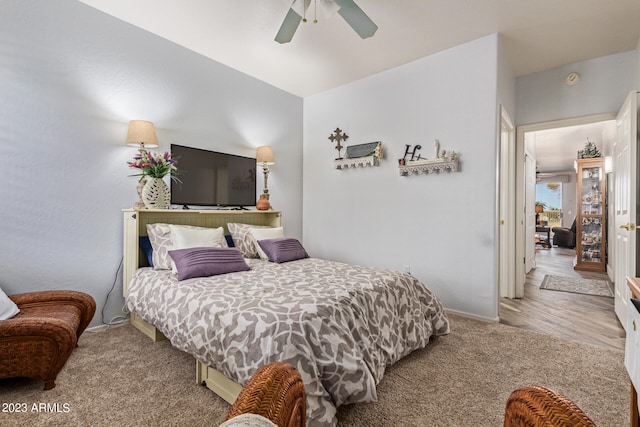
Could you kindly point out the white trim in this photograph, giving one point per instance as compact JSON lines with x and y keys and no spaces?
{"x":473,"y":316}
{"x":519,"y":195}
{"x":505,"y":188}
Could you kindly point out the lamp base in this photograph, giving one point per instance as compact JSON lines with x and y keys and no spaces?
{"x":263,"y":203}
{"x":140,"y":203}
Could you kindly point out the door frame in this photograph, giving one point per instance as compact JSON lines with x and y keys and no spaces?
{"x":518,"y":284}
{"x":506,"y":206}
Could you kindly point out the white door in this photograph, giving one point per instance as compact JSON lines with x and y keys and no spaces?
{"x":625,"y":170}
{"x":530,"y":212}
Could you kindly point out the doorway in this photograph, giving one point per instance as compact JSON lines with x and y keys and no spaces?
{"x":554,"y":312}
{"x":552,"y":147}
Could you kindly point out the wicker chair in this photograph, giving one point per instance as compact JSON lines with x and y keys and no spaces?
{"x":275,"y":392}
{"x":37,"y":342}
{"x":536,"y":406}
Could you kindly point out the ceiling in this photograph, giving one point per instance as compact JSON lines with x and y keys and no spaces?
{"x":538,"y":34}
{"x":556,"y":149}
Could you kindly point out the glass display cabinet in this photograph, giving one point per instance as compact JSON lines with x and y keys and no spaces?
{"x":591,"y":215}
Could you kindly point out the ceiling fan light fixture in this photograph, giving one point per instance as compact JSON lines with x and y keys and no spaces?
{"x":350,"y":12}
{"x":330,"y":7}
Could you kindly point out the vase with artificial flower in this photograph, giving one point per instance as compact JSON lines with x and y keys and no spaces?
{"x":155,"y":193}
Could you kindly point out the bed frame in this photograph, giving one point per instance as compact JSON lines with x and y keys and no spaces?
{"x":135,"y":225}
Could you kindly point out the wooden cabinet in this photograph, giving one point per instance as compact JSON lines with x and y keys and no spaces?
{"x":591,"y":215}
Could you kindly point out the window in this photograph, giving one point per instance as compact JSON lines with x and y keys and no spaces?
{"x":549,"y":194}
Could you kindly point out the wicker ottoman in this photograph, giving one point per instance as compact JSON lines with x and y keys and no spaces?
{"x":37,"y":342}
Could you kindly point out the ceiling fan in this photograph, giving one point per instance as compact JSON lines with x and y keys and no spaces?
{"x":350,"y":12}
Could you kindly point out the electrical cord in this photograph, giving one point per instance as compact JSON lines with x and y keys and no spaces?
{"x":118,"y":319}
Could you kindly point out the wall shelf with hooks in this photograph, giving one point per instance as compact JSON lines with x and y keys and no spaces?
{"x":359,"y":161}
{"x":420,"y":167}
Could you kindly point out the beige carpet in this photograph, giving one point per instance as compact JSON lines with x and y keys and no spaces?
{"x":121,"y":378}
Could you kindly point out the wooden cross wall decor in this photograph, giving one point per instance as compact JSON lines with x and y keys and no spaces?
{"x":338,"y":136}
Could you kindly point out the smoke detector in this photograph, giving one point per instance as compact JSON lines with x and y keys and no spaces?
{"x":573,"y":78}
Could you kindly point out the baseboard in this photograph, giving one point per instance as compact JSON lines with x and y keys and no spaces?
{"x":473,"y":316}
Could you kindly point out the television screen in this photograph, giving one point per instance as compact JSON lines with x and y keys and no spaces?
{"x":210,"y":178}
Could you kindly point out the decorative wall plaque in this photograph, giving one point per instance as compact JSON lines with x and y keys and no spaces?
{"x":442,"y":162}
{"x":361,"y":155}
{"x":362,"y":150}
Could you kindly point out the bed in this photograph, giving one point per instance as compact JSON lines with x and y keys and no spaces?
{"x":340,"y":325}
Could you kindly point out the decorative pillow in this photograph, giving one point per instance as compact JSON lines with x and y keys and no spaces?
{"x":229,"y":240}
{"x":161,"y":239}
{"x":8,"y":308}
{"x":265,"y":233}
{"x":147,"y":249}
{"x":204,"y":262}
{"x":183,"y":237}
{"x":283,"y":249}
{"x":243,"y":239}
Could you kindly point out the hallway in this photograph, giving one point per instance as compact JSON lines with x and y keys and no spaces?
{"x":585,"y":318}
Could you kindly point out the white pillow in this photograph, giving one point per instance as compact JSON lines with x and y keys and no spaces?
{"x":8,"y":308}
{"x":265,"y":233}
{"x":184,"y":237}
{"x":161,"y":239}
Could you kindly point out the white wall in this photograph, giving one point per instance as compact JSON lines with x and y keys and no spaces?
{"x":443,"y":226}
{"x":605,"y":83}
{"x":506,"y":81}
{"x":71,"y":78}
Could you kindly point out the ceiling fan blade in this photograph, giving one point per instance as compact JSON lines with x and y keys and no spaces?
{"x":356,"y":18}
{"x":288,"y":27}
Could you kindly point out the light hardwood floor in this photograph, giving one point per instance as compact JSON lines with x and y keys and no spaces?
{"x":579,"y":317}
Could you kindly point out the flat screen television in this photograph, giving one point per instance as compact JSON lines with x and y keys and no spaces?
{"x":209,"y":178}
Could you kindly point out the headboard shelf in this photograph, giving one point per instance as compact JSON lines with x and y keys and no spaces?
{"x":135,"y":225}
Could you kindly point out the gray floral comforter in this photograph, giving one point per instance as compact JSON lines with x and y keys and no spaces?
{"x":340,"y":325}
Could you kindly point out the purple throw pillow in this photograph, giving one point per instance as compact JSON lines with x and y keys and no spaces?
{"x":207,"y":261}
{"x":283,"y":249}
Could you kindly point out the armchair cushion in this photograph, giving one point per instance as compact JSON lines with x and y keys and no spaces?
{"x":565,"y":237}
{"x":248,"y":420}
{"x":8,"y":308}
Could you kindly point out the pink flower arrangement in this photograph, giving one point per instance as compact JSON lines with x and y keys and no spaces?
{"x":154,"y":165}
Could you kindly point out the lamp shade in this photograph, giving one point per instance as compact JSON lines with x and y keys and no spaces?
{"x":264,"y":154}
{"x":141,"y":133}
{"x":539,"y":208}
